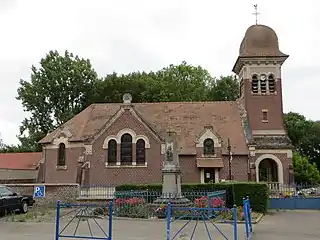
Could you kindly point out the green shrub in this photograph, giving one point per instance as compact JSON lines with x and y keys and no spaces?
{"x":257,"y":192}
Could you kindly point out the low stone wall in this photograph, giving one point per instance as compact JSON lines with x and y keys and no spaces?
{"x":66,"y":193}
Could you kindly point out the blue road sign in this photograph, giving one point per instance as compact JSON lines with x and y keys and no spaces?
{"x":39,"y":191}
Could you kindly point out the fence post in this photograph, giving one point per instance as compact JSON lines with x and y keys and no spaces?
{"x":58,"y":220}
{"x":235,"y":222}
{"x":169,"y":221}
{"x":110,"y":219}
{"x":249,"y":214}
{"x":246,"y":217}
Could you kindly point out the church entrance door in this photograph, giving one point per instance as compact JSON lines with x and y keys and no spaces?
{"x":268,"y":171}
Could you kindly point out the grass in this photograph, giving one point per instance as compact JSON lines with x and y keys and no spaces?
{"x":34,"y":215}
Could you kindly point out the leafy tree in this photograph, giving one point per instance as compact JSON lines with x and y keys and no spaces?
{"x":177,"y":83}
{"x":15,"y":149}
{"x":62,"y":87}
{"x":225,"y":89}
{"x":180,"y":83}
{"x":304,"y":171}
{"x":1,"y":143}
{"x":305,"y":136}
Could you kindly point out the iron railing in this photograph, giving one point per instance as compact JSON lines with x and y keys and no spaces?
{"x":278,"y":190}
{"x":141,"y":204}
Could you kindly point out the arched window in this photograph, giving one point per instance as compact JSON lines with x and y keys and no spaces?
{"x":62,"y":155}
{"x":208,"y":147}
{"x":112,"y":152}
{"x":126,"y":149}
{"x":272,"y":84}
{"x":140,"y":152}
{"x":255,"y":84}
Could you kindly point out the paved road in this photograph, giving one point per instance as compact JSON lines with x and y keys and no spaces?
{"x":122,"y":230}
{"x":281,"y":225}
{"x":293,"y":225}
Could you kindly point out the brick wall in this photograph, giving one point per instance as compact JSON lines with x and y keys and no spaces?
{"x":66,"y":193}
{"x":114,"y":175}
{"x":69,"y":175}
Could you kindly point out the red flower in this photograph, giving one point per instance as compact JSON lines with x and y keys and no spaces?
{"x":201,"y":202}
{"x":217,"y":202}
{"x":130,"y":201}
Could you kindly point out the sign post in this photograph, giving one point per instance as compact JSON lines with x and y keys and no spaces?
{"x":38,"y":192}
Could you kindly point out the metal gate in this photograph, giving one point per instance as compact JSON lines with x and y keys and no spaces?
{"x":84,"y":221}
{"x":205,"y":216}
{"x":247,"y":217}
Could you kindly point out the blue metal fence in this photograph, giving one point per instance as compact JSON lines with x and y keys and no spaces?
{"x":200,"y":214}
{"x":69,"y":217}
{"x":75,"y":214}
{"x":294,"y":196}
{"x":300,"y":203}
{"x":247,"y":217}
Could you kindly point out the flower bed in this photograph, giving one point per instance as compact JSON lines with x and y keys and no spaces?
{"x":138,"y":207}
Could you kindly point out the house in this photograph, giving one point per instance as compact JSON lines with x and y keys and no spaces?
{"x":242,"y":140}
{"x":19,"y":167}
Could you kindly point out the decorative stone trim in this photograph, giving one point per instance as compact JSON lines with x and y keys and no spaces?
{"x":209,"y":156}
{"x":208,"y":133}
{"x":275,"y":151}
{"x":117,"y":138}
{"x":124,"y":131}
{"x":65,"y":131}
{"x":126,"y":166}
{"x":216,"y":175}
{"x":88,"y":149}
{"x":106,"y":141}
{"x":268,"y":132}
{"x":202,"y":175}
{"x":144,"y":138}
{"x":163,"y":148}
{"x":64,"y":140}
{"x":279,"y":166}
{"x":61,"y":167}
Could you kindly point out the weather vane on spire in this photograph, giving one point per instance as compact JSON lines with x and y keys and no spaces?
{"x":256,"y":13}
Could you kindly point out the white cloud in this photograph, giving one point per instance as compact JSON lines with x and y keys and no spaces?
{"x":124,"y":36}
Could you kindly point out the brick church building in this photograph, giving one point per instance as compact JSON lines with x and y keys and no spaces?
{"x":117,"y":143}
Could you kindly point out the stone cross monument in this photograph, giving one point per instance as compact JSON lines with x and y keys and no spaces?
{"x":171,"y":183}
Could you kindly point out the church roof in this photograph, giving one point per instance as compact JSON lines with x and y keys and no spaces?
{"x":187,"y":119}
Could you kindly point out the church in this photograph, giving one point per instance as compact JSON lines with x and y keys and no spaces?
{"x":242,"y":140}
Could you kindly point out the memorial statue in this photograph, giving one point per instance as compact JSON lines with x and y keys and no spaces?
{"x":169,"y":154}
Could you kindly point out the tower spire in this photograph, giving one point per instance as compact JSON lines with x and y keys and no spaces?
{"x":256,"y":13}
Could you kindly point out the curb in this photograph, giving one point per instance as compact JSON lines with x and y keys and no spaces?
{"x":256,"y":221}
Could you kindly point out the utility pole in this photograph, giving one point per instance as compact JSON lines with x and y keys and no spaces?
{"x":230,"y":159}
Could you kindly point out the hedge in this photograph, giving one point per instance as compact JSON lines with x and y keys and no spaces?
{"x":257,"y":192}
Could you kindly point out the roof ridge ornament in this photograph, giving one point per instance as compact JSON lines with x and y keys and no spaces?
{"x":256,"y":13}
{"x":127,"y":98}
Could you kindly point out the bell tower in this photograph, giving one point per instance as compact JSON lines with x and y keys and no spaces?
{"x":259,"y":69}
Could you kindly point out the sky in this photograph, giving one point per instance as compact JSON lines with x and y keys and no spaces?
{"x":126,"y":35}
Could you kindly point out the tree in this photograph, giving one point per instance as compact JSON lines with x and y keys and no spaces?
{"x":305,"y":136}
{"x":225,"y":89}
{"x":177,"y":83}
{"x":59,"y":89}
{"x":1,"y":143}
{"x":304,"y":171}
